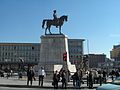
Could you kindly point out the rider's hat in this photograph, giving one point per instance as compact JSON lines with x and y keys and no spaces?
{"x":54,"y":11}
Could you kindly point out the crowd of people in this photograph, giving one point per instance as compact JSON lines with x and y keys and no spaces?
{"x":31,"y":76}
{"x":64,"y":76}
{"x":60,"y":76}
{"x":92,"y":77}
{"x":100,"y":76}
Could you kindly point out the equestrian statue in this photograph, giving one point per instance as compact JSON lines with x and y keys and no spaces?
{"x":58,"y":22}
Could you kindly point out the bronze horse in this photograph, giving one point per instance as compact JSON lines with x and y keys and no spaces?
{"x":59,"y":22}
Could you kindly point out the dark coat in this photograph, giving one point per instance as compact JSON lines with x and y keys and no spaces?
{"x":30,"y":74}
{"x":56,"y":77}
{"x":64,"y":77}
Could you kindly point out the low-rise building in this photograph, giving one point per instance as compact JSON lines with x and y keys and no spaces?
{"x":115,"y":53}
{"x":76,"y":51}
{"x":15,"y":55}
{"x":95,"y":59}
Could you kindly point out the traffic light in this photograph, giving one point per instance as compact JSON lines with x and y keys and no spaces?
{"x":65,"y":56}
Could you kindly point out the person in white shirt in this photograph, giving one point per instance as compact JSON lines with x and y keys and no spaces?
{"x":41,"y":74}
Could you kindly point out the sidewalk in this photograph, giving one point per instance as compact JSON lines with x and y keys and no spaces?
{"x":15,"y":82}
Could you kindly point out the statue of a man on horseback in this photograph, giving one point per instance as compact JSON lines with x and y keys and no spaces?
{"x":58,"y":22}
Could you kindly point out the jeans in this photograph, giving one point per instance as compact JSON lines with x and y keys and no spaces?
{"x":78,"y":83}
{"x":41,"y":77}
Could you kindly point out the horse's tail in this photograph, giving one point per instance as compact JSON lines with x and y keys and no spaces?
{"x":43,"y":23}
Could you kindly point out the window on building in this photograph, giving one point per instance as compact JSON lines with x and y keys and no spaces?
{"x":14,"y":47}
{"x":3,"y":48}
{"x":10,"y":47}
{"x":29,"y":48}
{"x":35,"y":59}
{"x":6,"y":53}
{"x":77,"y":56}
{"x":11,"y":59}
{"x":26,"y":53}
{"x":11,"y":53}
{"x":18,"y":47}
{"x":32,"y":48}
{"x":6,"y":48}
{"x":3,"y":54}
{"x":14,"y":60}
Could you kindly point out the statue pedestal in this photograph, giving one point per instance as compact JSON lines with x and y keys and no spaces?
{"x":51,"y":52}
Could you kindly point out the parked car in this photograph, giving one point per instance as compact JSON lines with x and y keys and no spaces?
{"x":115,"y":85}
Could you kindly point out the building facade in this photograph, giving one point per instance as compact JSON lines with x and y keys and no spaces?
{"x":76,"y":51}
{"x":115,"y":56}
{"x":95,"y":59}
{"x":16,"y":55}
{"x":115,"y":53}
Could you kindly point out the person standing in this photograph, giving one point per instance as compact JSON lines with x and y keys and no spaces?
{"x":74,"y":79}
{"x":20,"y":75}
{"x":117,"y":74}
{"x":104,"y":76}
{"x":41,"y":74}
{"x":90,"y":80}
{"x":80,"y":73}
{"x":56,"y":79}
{"x":78,"y":78}
{"x":64,"y":79}
{"x":30,"y":75}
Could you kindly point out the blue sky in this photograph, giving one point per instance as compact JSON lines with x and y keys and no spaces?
{"x":97,"y":21}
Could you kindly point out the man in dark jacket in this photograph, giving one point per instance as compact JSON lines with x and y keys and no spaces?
{"x":56,"y":78}
{"x":64,"y":79}
{"x":90,"y":80}
{"x":30,"y":75}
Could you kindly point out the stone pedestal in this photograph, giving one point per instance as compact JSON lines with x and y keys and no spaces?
{"x":51,"y":51}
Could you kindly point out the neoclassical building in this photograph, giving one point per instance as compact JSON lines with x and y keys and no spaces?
{"x":18,"y":55}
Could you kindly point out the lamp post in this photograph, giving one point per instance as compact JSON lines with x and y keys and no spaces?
{"x":88,"y":51}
